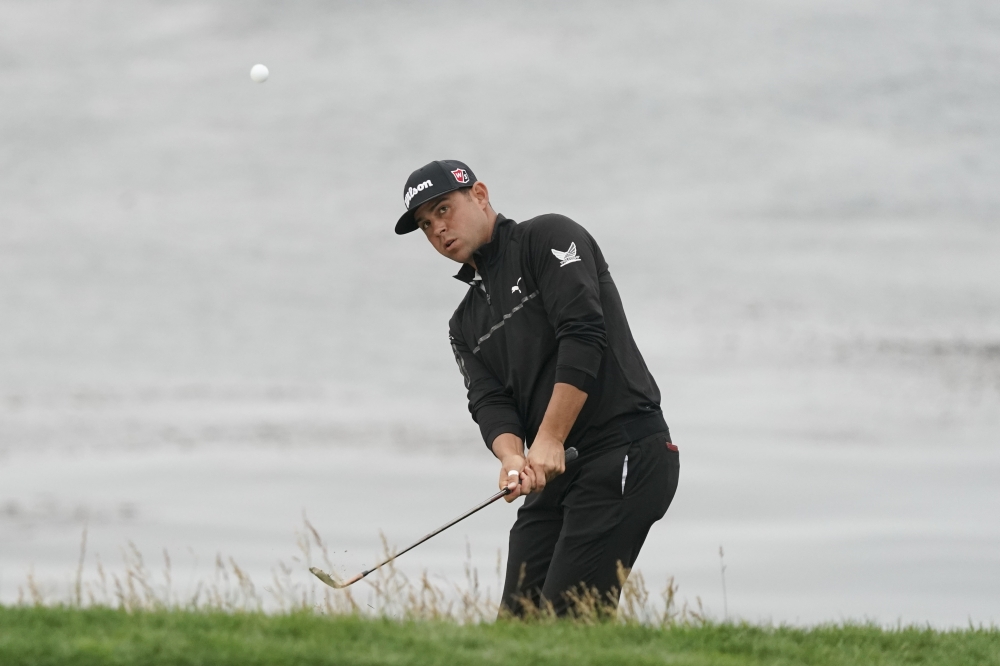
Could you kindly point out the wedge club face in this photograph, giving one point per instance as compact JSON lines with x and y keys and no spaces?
{"x":571,"y":455}
{"x":331,"y":581}
{"x":326,"y":578}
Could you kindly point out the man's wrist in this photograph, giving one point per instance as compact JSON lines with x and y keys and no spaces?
{"x":546,"y":437}
{"x":507,"y":444}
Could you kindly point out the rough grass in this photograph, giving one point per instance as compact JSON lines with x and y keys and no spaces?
{"x":388,"y":593}
{"x":71,"y":636}
{"x":135,"y":616}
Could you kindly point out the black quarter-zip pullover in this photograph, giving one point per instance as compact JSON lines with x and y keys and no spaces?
{"x":546,"y":310}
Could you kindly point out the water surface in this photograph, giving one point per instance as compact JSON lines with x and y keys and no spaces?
{"x":207,"y":325}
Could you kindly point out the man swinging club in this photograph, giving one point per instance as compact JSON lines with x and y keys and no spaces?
{"x":547,"y":356}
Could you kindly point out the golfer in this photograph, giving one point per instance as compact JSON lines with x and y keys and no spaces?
{"x":549,"y":362}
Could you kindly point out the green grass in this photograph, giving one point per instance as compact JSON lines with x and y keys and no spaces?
{"x":65,"y":636}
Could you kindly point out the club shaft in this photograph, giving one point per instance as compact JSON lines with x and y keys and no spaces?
{"x":571,"y":455}
{"x":465,"y":515}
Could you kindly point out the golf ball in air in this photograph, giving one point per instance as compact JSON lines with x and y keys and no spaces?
{"x":258,"y":73}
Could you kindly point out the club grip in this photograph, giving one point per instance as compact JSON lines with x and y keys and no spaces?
{"x":571,"y":454}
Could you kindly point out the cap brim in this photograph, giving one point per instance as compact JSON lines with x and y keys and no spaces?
{"x":406,"y":223}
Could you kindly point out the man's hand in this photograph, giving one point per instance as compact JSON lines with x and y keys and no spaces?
{"x":547,"y":458}
{"x":513,"y":469}
{"x":546,"y":461}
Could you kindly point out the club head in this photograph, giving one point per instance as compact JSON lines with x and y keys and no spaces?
{"x":328,"y":579}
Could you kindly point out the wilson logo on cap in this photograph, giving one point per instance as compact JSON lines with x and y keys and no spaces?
{"x":460,"y":175}
{"x":414,"y":190}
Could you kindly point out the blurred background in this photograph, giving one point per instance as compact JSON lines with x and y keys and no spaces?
{"x":208,"y":327}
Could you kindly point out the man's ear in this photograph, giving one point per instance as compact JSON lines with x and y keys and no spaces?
{"x":481,"y":194}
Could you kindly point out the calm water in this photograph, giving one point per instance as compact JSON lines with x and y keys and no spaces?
{"x":207,"y":325}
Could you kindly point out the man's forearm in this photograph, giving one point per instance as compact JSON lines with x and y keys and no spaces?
{"x":560,"y":415}
{"x":546,"y":459}
{"x":507,"y":444}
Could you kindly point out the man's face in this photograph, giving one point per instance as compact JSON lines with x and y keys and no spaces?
{"x":457,"y":223}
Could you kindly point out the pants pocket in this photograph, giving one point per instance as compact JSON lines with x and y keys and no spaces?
{"x":651,"y":480}
{"x":631,"y":469}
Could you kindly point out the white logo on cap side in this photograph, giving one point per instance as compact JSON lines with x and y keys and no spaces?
{"x":410,"y":192}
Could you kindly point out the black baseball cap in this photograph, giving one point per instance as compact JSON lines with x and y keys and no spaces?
{"x":430,"y":181}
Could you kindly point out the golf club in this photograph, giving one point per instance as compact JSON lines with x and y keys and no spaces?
{"x":571,"y":455}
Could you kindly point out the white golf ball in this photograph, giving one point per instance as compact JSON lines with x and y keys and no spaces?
{"x":259,"y":73}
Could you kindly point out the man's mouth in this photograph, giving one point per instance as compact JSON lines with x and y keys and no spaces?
{"x":449,"y":243}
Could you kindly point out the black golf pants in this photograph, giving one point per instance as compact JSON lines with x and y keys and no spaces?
{"x":576,"y":531}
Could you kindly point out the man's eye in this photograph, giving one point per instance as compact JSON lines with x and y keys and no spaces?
{"x":442,"y":210}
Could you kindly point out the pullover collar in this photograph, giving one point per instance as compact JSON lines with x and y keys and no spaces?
{"x":488,"y":253}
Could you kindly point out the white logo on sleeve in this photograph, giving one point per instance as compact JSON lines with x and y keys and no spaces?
{"x":516,"y":288}
{"x":567,"y":257}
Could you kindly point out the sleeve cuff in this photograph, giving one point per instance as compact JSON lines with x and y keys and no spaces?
{"x":511,"y":428}
{"x":574,"y":354}
{"x":574,"y":377}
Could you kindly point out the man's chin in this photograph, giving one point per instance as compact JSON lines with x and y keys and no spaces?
{"x":458,"y":257}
